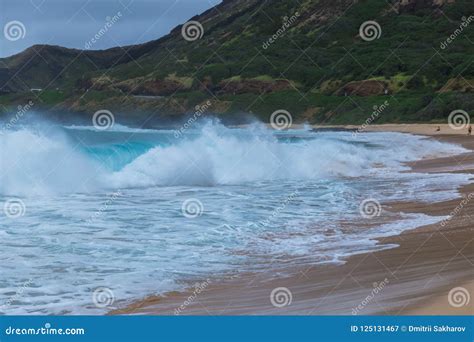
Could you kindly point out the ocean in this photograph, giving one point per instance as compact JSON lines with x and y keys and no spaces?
{"x":141,"y":212}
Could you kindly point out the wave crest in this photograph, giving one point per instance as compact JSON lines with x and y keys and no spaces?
{"x":37,"y":161}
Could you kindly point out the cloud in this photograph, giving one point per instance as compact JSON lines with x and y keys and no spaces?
{"x":71,"y":23}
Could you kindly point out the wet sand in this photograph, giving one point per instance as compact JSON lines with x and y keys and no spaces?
{"x":421,"y":129}
{"x":413,"y":278}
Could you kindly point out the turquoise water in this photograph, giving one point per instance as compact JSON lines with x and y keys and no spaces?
{"x":142,"y":212}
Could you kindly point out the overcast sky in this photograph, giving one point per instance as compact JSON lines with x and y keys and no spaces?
{"x":72,"y":23}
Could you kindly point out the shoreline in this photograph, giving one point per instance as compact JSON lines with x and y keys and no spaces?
{"x":426,"y":129}
{"x":419,"y":129}
{"x":416,"y":276}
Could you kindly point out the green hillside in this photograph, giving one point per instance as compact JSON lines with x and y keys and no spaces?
{"x":256,"y":57}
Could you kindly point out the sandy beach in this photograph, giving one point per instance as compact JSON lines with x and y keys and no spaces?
{"x":414,"y":276}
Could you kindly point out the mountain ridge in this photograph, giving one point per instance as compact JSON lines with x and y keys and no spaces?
{"x":319,"y":65}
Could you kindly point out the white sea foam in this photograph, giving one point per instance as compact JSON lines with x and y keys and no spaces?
{"x":293,"y":196}
{"x":115,"y":128}
{"x":219,"y":155}
{"x":34,"y":161}
{"x":44,"y":162}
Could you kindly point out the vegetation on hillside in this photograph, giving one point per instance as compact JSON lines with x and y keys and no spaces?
{"x":260,"y":56}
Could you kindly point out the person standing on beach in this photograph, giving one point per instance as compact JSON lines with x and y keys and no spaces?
{"x":469,"y":130}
